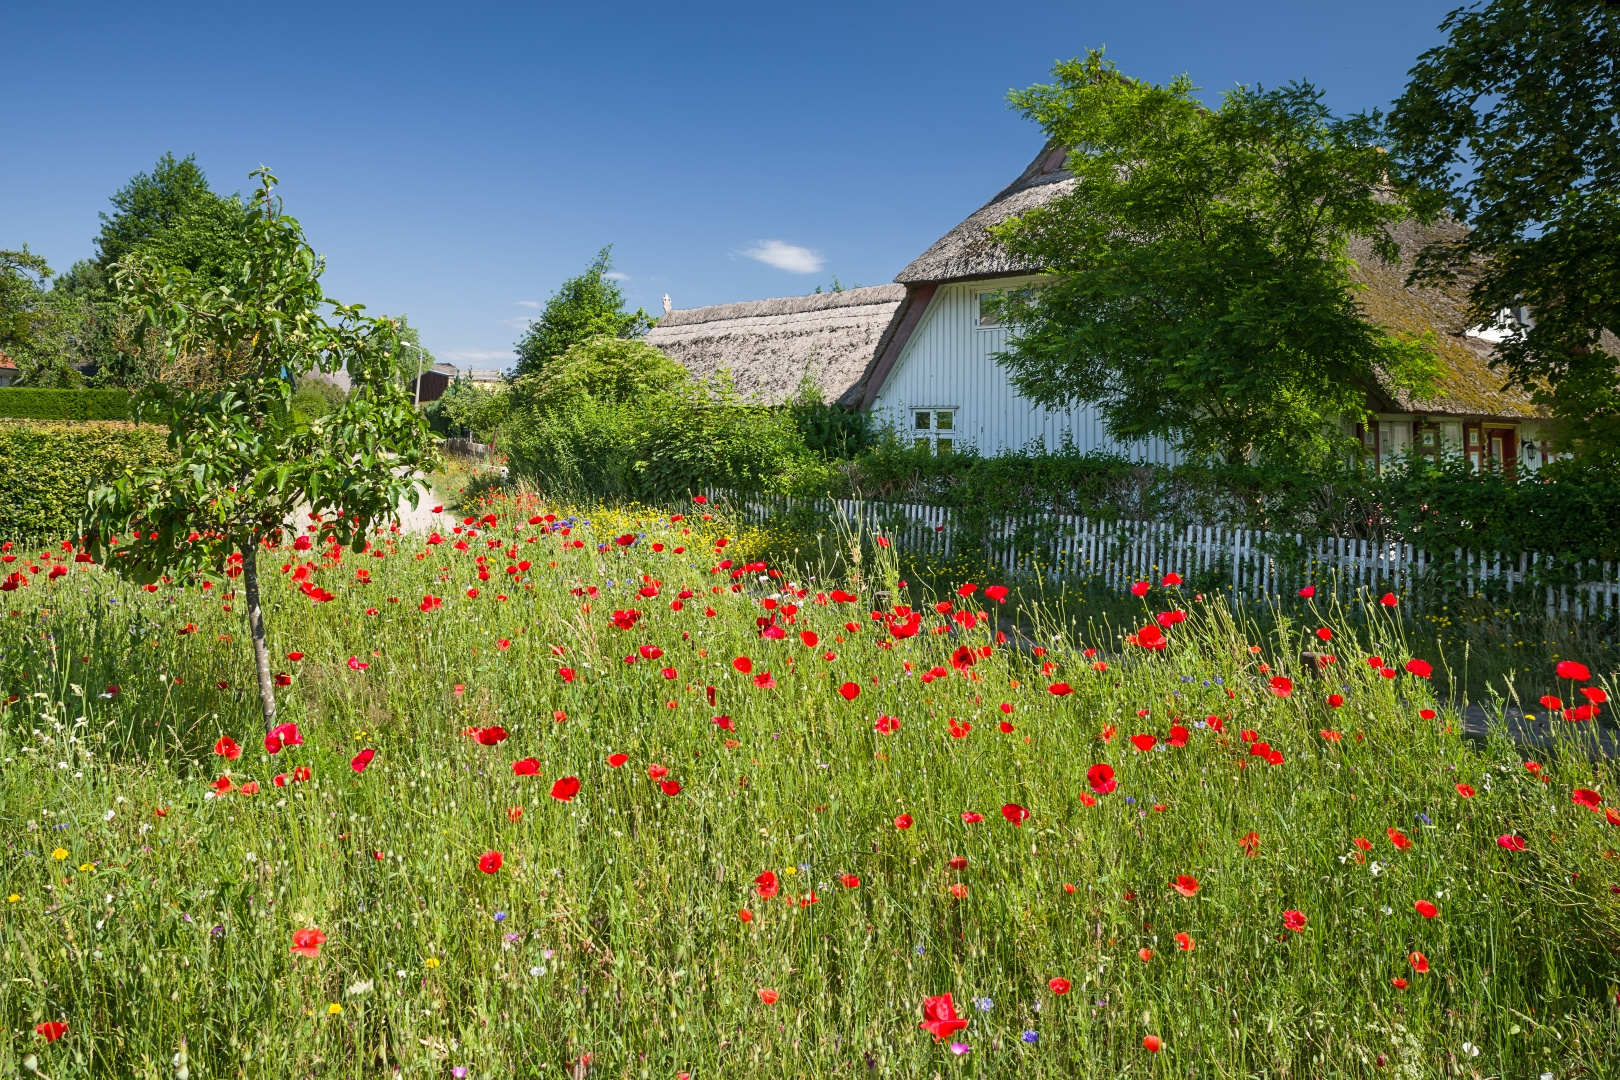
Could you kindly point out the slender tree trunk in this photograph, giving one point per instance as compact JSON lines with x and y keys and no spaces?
{"x":255,"y":614}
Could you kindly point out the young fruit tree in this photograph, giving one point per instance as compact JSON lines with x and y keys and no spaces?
{"x":245,"y":464}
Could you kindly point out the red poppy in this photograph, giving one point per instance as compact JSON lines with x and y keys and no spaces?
{"x":941,"y":1019}
{"x":615,"y":760}
{"x":959,"y":728}
{"x":1362,"y":843}
{"x":1058,"y":986}
{"x":1427,"y":714}
{"x":768,"y":996}
{"x":849,"y":691}
{"x":226,"y":748}
{"x":1335,"y":700}
{"x":650,"y":652}
{"x":1015,"y":813}
{"x":1060,"y":689}
{"x":1419,"y":962}
{"x":1569,"y":669}
{"x":743,"y":665}
{"x":359,"y":762}
{"x":490,"y":862}
{"x":971,"y":818}
{"x":1152,"y":1044}
{"x":565,"y":789}
{"x":489,"y":736}
{"x":1250,"y":843}
{"x":1398,"y":838}
{"x":1465,"y":791}
{"x":1585,"y":797}
{"x":886,"y":725}
{"x":1325,"y":634}
{"x":1308,"y":591}
{"x":1399,"y":983}
{"x":1281,"y":685}
{"x":724,"y":723}
{"x":850,"y":881}
{"x":958,"y":862}
{"x":281,"y":735}
{"x":1249,"y":735}
{"x":51,"y":1030}
{"x":1150,"y":637}
{"x":764,"y":681}
{"x":527,"y":767}
{"x":1006,"y":728}
{"x":1294,"y":920}
{"x":1101,"y":778}
{"x":1421,"y":668}
{"x":1426,"y":909}
{"x":1185,"y":943}
{"x":810,"y":638}
{"x":1596,"y":695}
{"x":766,"y":885}
{"x":998,"y":593}
{"x":1548,"y":701}
{"x":1510,"y":843}
{"x":903,"y":821}
{"x":1140,"y":588}
{"x":1144,"y":743}
{"x":1388,"y":600}
{"x":744,"y":915}
{"x":307,"y":942}
{"x":1186,"y":885}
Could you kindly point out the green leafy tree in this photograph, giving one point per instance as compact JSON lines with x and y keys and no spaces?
{"x":1510,"y":127}
{"x":590,"y":305}
{"x":245,"y":462}
{"x":39,"y":328}
{"x":1199,"y":286}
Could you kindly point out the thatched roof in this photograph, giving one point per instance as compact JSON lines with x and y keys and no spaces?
{"x":969,"y":251}
{"x":1468,"y":386}
{"x":769,"y":345}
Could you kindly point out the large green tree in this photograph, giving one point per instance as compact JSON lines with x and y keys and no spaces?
{"x":1198,"y":287}
{"x":1511,"y":127}
{"x":584,"y":307}
{"x":39,"y":327}
{"x":246,"y":464}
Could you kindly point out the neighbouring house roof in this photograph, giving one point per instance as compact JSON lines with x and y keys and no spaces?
{"x":969,"y":251}
{"x":770,"y":345}
{"x":7,"y":362}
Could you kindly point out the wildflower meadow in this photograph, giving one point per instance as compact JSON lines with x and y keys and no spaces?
{"x":585,"y":791}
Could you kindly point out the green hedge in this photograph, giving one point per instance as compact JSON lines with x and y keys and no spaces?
{"x":49,"y":468}
{"x":30,"y":403}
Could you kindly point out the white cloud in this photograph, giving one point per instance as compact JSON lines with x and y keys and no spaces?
{"x":527,"y":303}
{"x":789,"y":257}
{"x":471,"y":355}
{"x":616,"y":276}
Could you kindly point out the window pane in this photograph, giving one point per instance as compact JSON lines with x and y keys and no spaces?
{"x":922,"y":421}
{"x":987,"y":317}
{"x":943,"y":421}
{"x":919,"y":444}
{"x":944,"y":446}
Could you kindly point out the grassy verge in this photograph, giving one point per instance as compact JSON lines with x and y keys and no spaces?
{"x":739,"y":898}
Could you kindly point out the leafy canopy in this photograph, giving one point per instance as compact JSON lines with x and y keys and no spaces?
{"x":585,"y":307}
{"x":37,"y":325}
{"x":1198,"y":286}
{"x":1511,"y":127}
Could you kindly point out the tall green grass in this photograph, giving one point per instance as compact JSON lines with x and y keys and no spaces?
{"x":612,"y":928}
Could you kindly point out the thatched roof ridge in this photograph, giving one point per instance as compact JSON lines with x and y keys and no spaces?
{"x":969,"y":251}
{"x":769,"y":345}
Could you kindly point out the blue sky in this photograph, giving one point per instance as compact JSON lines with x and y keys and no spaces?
{"x":456,"y":161}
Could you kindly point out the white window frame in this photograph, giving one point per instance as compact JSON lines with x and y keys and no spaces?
{"x":930,"y":433}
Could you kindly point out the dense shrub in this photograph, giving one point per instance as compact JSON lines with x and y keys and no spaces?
{"x":50,"y":467}
{"x":34,"y":403}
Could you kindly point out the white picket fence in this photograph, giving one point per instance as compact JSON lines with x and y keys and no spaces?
{"x":1253,"y":563}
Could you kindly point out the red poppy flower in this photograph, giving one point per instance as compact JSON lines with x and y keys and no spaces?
{"x":886,"y":725}
{"x":650,"y":652}
{"x":490,"y":862}
{"x":226,"y":748}
{"x":1325,"y":634}
{"x":724,"y":723}
{"x":941,"y":1019}
{"x":1101,"y":778}
{"x":810,"y":638}
{"x":1510,"y":843}
{"x":565,"y":789}
{"x":1249,"y":735}
{"x":1150,"y":637}
{"x":766,"y":885}
{"x":1335,"y":700}
{"x":1398,"y":838}
{"x":903,"y":821}
{"x":743,"y":665}
{"x":1185,"y":885}
{"x":1006,"y":728}
{"x":281,"y":735}
{"x":1569,"y":669}
{"x":1015,"y":813}
{"x":359,"y":762}
{"x":849,"y":691}
{"x":615,"y":760}
{"x":1144,"y":743}
{"x":1585,"y":797}
{"x":307,"y":942}
{"x":1388,"y":599}
{"x":1362,"y":843}
{"x":768,"y":996}
{"x":1426,"y":909}
{"x":1419,"y":962}
{"x":1465,"y":791}
{"x":959,"y":728}
{"x":527,"y":767}
{"x":998,"y":593}
{"x":1250,"y":843}
{"x":958,"y":862}
{"x":671,"y":788}
{"x":850,"y":881}
{"x":1059,"y":986}
{"x":1060,"y":689}
{"x":1427,"y":714}
{"x":51,"y":1030}
{"x":764,"y":681}
{"x":489,"y":736}
{"x":1152,"y":1044}
{"x":1421,"y":668}
{"x":1595,"y":694}
{"x":1548,"y":701}
{"x":1185,"y":943}
{"x":1399,"y":983}
{"x":971,"y":818}
{"x":1294,"y":920}
{"x":744,"y":915}
{"x":1140,"y":588}
{"x":1281,"y":685}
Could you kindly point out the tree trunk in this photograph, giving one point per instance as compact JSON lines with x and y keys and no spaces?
{"x":261,"y":652}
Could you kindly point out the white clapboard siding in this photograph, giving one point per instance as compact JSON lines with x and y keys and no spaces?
{"x":1115,"y":554}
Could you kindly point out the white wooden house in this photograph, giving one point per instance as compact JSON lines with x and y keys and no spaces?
{"x":919,"y":354}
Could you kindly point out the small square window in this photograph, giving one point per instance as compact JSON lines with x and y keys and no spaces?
{"x":944,"y":421}
{"x":920,"y":444}
{"x":987,"y":314}
{"x":1473,"y":437}
{"x":1428,"y":438}
{"x":931,"y":426}
{"x":923,"y":421}
{"x":942,"y":447}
